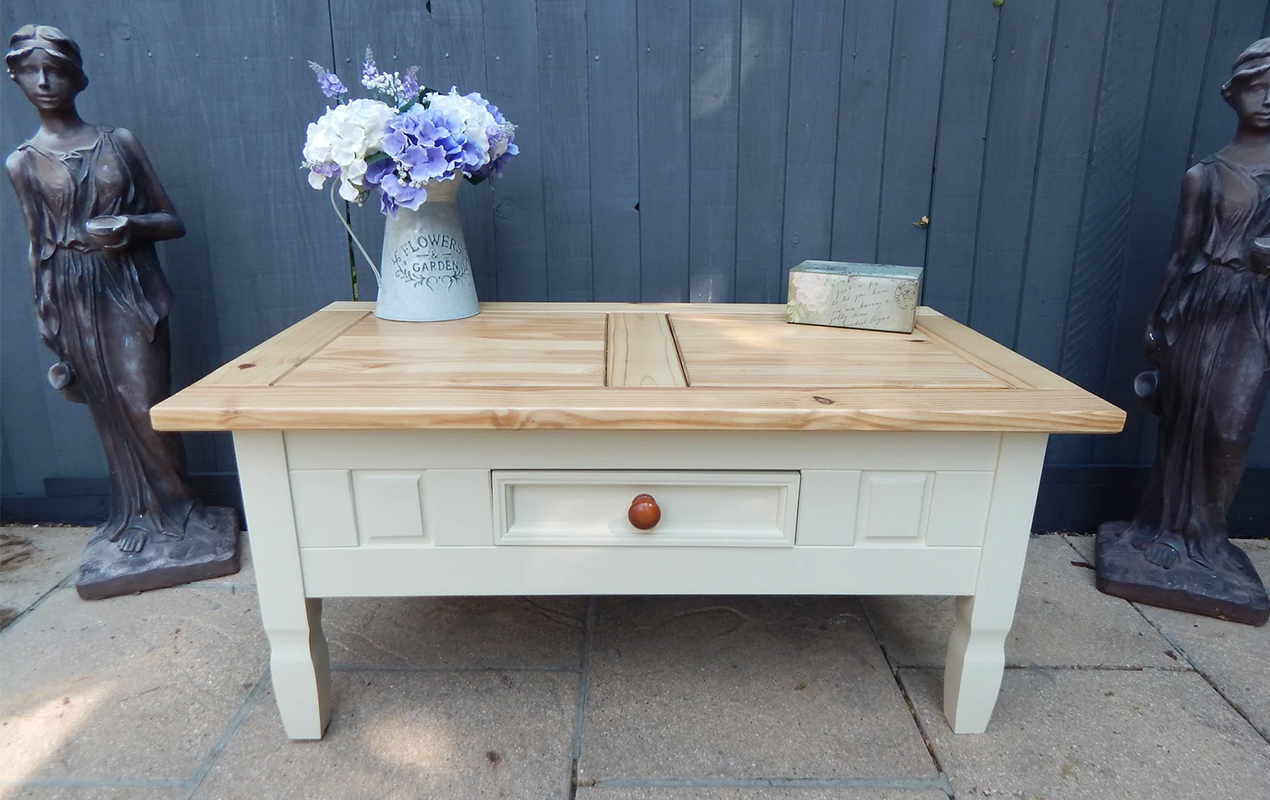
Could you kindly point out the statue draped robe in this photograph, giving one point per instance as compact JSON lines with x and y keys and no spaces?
{"x":1213,"y":360}
{"x":105,"y":316}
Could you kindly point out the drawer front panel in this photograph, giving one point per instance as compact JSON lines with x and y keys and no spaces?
{"x":716,"y":509}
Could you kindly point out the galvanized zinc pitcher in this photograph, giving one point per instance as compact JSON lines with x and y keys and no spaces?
{"x":424,"y":274}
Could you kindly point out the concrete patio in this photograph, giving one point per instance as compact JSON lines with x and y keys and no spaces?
{"x":166,"y":695}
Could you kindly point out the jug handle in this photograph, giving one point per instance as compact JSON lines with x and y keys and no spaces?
{"x":373,"y":268}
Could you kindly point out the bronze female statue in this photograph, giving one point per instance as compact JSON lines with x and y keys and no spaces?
{"x":1208,"y":344}
{"x":94,"y":208}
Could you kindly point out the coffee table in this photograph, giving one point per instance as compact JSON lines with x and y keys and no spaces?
{"x":503,"y":454}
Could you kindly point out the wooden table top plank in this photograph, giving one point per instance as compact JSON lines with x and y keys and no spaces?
{"x":732,"y":350}
{"x":546,"y":365}
{"x":633,"y":408}
{"x":642,"y":351}
{"x":501,"y":347}
{"x":989,"y":355}
{"x":273,"y":359}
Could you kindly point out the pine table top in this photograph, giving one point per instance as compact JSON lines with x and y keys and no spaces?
{"x":622,"y":366}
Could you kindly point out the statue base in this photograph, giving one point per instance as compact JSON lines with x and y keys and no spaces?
{"x":106,"y":571}
{"x":1232,"y":590}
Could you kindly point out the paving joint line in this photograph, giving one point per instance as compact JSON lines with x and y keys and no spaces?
{"x":1072,"y":667}
{"x":97,"y":783}
{"x":361,"y":667}
{"x":233,"y":586}
{"x":945,"y":782}
{"x":231,"y":728}
{"x":584,"y":685}
{"x":895,"y":782}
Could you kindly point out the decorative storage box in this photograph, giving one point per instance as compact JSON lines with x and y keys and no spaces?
{"x":876,"y":297}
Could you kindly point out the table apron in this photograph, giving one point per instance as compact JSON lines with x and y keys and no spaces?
{"x":441,"y":571}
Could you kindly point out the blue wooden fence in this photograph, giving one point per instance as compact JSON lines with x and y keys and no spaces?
{"x":671,"y":150}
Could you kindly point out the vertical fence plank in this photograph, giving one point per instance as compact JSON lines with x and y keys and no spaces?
{"x":1060,"y":177}
{"x":614,"y":148}
{"x":1014,"y":123}
{"x":912,"y":118}
{"x":476,"y":203}
{"x":511,"y":62}
{"x":813,"y":120}
{"x":959,"y":149}
{"x":566,"y":174}
{"x":763,"y":116}
{"x":864,"y":82}
{"x":664,"y":160}
{"x":1104,"y":215}
{"x":714,"y":54}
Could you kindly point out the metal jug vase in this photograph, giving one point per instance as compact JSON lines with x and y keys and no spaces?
{"x":424,"y":273}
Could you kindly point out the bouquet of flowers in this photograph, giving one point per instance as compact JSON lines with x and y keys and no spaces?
{"x":404,"y":137}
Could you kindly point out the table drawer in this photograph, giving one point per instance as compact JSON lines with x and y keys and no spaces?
{"x":717,"y":509}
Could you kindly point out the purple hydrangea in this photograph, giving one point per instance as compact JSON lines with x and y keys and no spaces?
{"x":395,"y":194}
{"x":424,"y":162}
{"x":420,"y":141}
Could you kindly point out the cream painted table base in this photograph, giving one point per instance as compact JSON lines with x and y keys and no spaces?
{"x":499,"y":455}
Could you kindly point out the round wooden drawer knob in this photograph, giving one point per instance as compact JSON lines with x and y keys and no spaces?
{"x":644,"y":513}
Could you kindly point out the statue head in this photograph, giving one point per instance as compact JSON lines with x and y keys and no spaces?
{"x":1248,"y":90}
{"x":47,"y":65}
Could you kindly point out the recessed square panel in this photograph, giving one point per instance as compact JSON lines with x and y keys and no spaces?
{"x":740,"y":350}
{"x":494,"y":348}
{"x":893,"y":506}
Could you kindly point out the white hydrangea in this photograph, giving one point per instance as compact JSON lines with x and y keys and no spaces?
{"x":475,"y":119}
{"x":344,"y":136}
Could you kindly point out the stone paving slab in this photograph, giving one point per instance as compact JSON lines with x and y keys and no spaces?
{"x":33,"y":560}
{"x":756,"y":793}
{"x":452,"y":735}
{"x":1098,"y":734}
{"x":1060,"y":620}
{"x":1235,"y":657}
{"x":135,"y":687}
{"x":743,"y":687}
{"x":89,"y":793}
{"x":487,"y":631}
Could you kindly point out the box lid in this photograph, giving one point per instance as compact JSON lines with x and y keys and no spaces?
{"x":850,"y":268}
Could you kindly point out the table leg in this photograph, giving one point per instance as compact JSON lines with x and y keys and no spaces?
{"x":975,"y":662}
{"x":299,"y":661}
{"x":300,"y":669}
